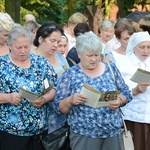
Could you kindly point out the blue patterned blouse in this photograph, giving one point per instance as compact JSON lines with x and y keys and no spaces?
{"x":24,"y":119}
{"x":85,"y":120}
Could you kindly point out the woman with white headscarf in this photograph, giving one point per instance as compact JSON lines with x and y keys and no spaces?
{"x":137,"y":112}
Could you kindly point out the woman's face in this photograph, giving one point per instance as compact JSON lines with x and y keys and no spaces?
{"x":3,"y":37}
{"x":89,"y":60}
{"x":50,"y":44}
{"x":142,"y":50}
{"x":124,"y":38}
{"x":62,"y":46}
{"x":20,"y":49}
{"x":107,"y":34}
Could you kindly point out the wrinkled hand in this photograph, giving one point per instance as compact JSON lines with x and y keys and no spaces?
{"x":39,"y":102}
{"x":15,"y":98}
{"x":77,"y":99}
{"x":114,"y":104}
{"x":140,"y":88}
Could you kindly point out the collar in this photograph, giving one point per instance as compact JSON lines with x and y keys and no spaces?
{"x":136,"y":61}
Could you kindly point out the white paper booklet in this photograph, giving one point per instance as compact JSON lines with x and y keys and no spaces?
{"x":141,"y":76}
{"x":98,"y":99}
{"x":33,"y":96}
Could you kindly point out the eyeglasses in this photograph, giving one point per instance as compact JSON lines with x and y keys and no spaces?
{"x":110,"y":31}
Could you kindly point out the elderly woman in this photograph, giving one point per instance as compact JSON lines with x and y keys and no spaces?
{"x":106,"y":32}
{"x":23,"y":121}
{"x":123,"y":31}
{"x":91,"y":128}
{"x":6,"y":24}
{"x":137,"y":112}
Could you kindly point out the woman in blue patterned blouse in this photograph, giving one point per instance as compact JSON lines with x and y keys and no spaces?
{"x":47,"y":39}
{"x":22,"y":122}
{"x":91,"y":128}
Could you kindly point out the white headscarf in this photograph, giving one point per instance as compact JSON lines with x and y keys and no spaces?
{"x":135,"y":39}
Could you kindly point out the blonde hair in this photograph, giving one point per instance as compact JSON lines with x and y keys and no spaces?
{"x":77,"y":18}
{"x":6,"y":22}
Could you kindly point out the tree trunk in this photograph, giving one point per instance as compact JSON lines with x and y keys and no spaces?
{"x":70,"y":4}
{"x":97,"y":19}
{"x":12,"y":7}
{"x":122,"y":9}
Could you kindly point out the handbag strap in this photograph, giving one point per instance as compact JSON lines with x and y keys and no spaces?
{"x":124,"y":124}
{"x":73,"y":62}
{"x":112,"y":73}
{"x":111,"y":70}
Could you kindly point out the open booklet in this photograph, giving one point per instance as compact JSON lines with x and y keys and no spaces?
{"x":141,"y":76}
{"x":98,"y":99}
{"x":33,"y":96}
{"x":61,"y":70}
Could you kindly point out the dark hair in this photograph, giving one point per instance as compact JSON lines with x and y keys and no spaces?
{"x":81,"y":28}
{"x":122,"y":25}
{"x":145,"y":23}
{"x":145,"y":28}
{"x":45,"y":30}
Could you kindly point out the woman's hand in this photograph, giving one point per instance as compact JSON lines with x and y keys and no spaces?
{"x":15,"y":98}
{"x":39,"y":102}
{"x":114,"y":104}
{"x":120,"y":101}
{"x":77,"y":99}
{"x":140,"y":88}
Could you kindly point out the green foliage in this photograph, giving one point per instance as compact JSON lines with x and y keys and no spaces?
{"x":59,"y":10}
{"x":79,"y":5}
{"x":44,"y":10}
{"x":2,"y":8}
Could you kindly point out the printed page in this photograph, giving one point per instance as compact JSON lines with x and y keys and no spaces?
{"x":28,"y":95}
{"x":92,"y":97}
{"x":106,"y":97}
{"x":98,"y":99}
{"x":33,"y":96}
{"x":141,"y":76}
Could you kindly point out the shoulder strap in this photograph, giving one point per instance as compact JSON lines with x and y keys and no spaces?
{"x":125,"y":127}
{"x":71,"y":61}
{"x":111,"y":70}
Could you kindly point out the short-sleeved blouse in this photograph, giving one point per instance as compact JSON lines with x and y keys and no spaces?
{"x":85,"y":120}
{"x":24,"y":119}
{"x":56,"y":120}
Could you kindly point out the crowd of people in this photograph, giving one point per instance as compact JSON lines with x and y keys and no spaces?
{"x":63,"y":59}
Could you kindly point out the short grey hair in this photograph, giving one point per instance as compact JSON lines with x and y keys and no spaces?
{"x":88,"y":42}
{"x":18,"y":32}
{"x":107,"y":24}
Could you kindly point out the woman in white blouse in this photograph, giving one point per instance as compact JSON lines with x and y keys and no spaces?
{"x":137,"y":112}
{"x":123,"y":31}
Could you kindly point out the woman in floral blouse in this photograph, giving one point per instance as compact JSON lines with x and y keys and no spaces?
{"x":91,"y":128}
{"x":22,"y":122}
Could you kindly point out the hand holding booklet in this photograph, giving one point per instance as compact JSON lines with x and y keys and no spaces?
{"x":141,"y":76}
{"x":96,"y":98}
{"x":33,"y":96}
